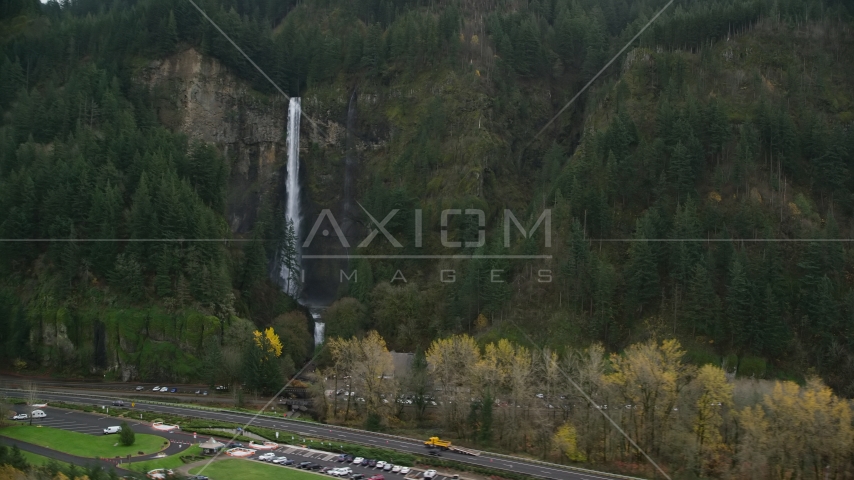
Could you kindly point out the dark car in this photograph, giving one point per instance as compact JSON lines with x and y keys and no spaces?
{"x":118,"y":403}
{"x":314,"y":466}
{"x":173,"y":390}
{"x":341,"y":458}
{"x":234,"y":445}
{"x":198,"y":477}
{"x":357,"y":476}
{"x":287,"y":462}
{"x":364,"y":462}
{"x":372,"y":463}
{"x":303,"y":464}
{"x":434,"y":453}
{"x":349,"y":458}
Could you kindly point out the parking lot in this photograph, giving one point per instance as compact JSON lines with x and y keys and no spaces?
{"x":326,"y":459}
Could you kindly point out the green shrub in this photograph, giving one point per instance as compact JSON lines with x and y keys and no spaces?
{"x":752,"y":367}
{"x":730,"y":362}
{"x":126,"y":436}
{"x":702,"y":357}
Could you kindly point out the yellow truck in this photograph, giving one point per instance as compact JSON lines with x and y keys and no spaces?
{"x":437,"y":442}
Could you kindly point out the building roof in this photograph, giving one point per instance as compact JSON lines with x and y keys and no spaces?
{"x":402,"y":363}
{"x":211,"y":444}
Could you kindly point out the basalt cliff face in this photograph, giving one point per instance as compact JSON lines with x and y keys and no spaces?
{"x":199,"y":97}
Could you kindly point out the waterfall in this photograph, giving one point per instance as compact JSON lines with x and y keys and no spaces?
{"x":319,"y":328}
{"x":290,"y":277}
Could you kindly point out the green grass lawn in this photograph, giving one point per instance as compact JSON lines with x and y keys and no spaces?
{"x":172,"y":461}
{"x":234,"y":468}
{"x":37,"y":460}
{"x":81,"y":444}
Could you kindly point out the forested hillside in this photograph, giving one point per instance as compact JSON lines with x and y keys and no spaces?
{"x":727,"y":121}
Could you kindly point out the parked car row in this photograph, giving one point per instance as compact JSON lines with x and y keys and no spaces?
{"x":344,"y":472}
{"x":371,"y":463}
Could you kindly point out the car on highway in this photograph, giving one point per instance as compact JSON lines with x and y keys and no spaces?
{"x":21,"y":416}
{"x":198,"y":392}
{"x":156,"y":389}
{"x":266,"y":457}
{"x":405,"y":470}
{"x":434,"y":453}
{"x":430,"y":473}
{"x":140,"y":388}
{"x":118,"y":403}
{"x":112,"y":430}
{"x":173,"y":390}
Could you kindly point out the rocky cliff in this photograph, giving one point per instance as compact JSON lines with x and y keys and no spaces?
{"x":199,"y":97}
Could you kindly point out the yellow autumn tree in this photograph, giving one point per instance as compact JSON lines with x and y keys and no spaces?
{"x":565,"y":441}
{"x":715,"y":395}
{"x":268,"y":341}
{"x":452,"y":362}
{"x":8,"y":472}
{"x":370,"y":367}
{"x":651,"y":376}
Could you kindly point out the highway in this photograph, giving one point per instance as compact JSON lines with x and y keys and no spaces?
{"x":530,"y":468}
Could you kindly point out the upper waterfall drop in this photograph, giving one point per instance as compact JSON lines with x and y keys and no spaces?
{"x":292,"y":279}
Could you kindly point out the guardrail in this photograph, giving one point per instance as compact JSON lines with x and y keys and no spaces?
{"x":484,"y":454}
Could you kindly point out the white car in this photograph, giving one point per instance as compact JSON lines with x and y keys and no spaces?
{"x":404,"y":470}
{"x":21,"y":416}
{"x":430,"y":473}
{"x":395,"y":469}
{"x":380,"y":465}
{"x":279,"y":460}
{"x":156,"y":389}
{"x":357,"y":460}
{"x":113,"y":429}
{"x":388,"y":467}
{"x":164,"y":389}
{"x":343,"y":472}
{"x":266,"y":457}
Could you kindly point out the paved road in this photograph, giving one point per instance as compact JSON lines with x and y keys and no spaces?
{"x":529,"y":468}
{"x":58,"y":456}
